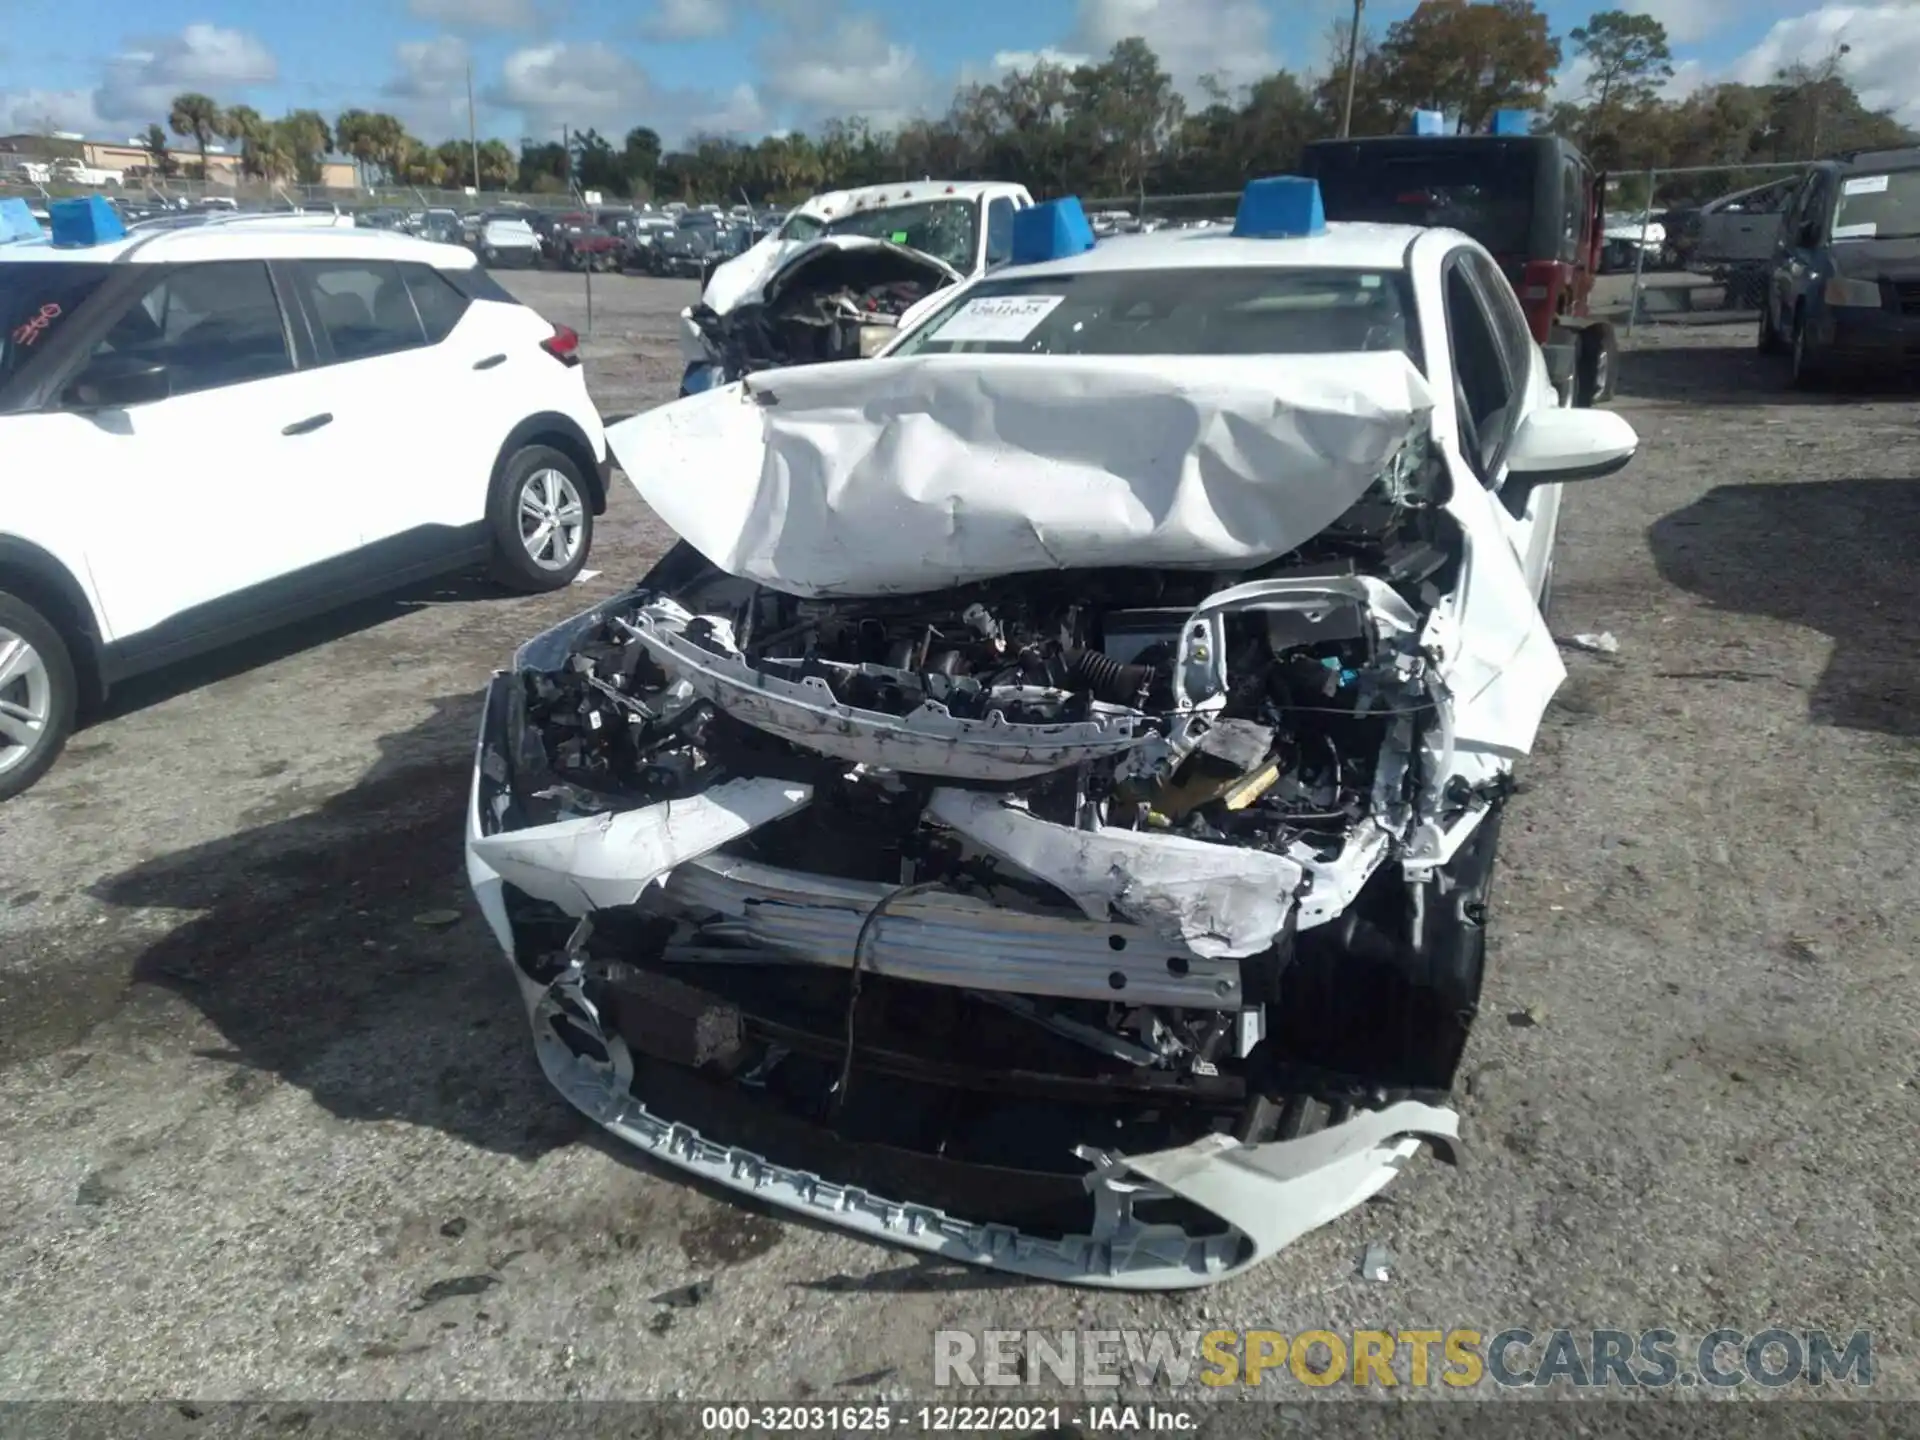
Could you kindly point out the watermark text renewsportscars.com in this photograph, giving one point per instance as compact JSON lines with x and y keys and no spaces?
{"x":1517,"y":1357}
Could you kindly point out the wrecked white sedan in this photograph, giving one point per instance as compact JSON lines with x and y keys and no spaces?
{"x":1042,"y":814}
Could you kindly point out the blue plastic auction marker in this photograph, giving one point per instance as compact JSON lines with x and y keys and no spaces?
{"x":79,"y":223}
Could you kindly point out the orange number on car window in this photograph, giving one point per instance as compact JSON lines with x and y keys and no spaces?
{"x":30,"y":332}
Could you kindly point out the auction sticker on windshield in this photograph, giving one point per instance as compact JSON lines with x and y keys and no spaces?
{"x":1864,"y":185}
{"x":998,"y":318}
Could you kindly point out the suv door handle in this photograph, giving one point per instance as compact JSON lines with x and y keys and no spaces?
{"x":490,"y":362}
{"x":308,"y":425}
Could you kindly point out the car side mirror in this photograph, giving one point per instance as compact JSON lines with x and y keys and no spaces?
{"x":113,"y":382}
{"x":1557,"y":445}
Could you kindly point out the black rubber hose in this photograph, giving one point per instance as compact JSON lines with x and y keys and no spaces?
{"x":1104,"y":677}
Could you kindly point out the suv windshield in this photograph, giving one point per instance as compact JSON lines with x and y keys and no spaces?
{"x":1177,"y":312}
{"x":36,"y":299}
{"x":1485,"y":194}
{"x":948,"y":230}
{"x":1883,"y":206}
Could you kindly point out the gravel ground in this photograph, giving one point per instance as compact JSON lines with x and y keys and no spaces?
{"x":270,"y":1124}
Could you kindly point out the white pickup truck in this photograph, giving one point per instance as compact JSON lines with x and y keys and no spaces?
{"x":844,"y":271}
{"x":73,"y":172}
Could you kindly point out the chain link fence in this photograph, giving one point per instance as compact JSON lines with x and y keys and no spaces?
{"x":1698,"y":242}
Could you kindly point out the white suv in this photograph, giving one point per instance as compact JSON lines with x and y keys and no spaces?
{"x":209,"y":431}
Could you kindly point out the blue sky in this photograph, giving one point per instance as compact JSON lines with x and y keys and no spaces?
{"x":748,"y":66}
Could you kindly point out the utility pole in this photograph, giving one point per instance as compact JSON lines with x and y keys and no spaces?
{"x":473,"y":132}
{"x":1353,"y":64}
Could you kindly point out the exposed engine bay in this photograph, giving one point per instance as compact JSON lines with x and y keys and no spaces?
{"x":835,"y":300}
{"x":969,"y":884}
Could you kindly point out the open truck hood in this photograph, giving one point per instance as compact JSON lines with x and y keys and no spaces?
{"x":765,"y":269}
{"x":897,"y":476}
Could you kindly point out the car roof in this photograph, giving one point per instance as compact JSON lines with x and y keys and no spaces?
{"x":1901,"y":158}
{"x":1343,"y":246}
{"x":259,"y":239}
{"x":832,"y":203}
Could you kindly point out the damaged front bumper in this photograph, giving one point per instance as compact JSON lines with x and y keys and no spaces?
{"x":1261,"y":1197}
{"x":656,"y":1060}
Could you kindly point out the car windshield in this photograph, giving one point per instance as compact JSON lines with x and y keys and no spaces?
{"x":1485,"y":194}
{"x":1882,"y":206}
{"x":948,"y":230}
{"x":36,"y":299}
{"x":1177,"y":312}
{"x":801,"y":227}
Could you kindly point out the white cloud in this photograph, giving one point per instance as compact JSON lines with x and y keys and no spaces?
{"x":1688,"y":76}
{"x":1227,"y":38}
{"x":739,"y":113}
{"x":688,"y":20}
{"x":585,"y":85}
{"x":32,"y":111}
{"x":1570,"y":81}
{"x":1688,"y":20}
{"x":481,"y":14}
{"x":592,"y":86}
{"x":141,"y":81}
{"x":850,"y":65}
{"x":1004,"y":62}
{"x":429,"y":94}
{"x":1883,"y":58}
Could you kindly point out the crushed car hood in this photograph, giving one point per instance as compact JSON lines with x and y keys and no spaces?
{"x":899,"y":476}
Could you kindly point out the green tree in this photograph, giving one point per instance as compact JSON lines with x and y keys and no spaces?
{"x":244,"y":126}
{"x":1470,"y":58}
{"x":640,"y":159}
{"x":497,"y":165}
{"x":1126,"y":109}
{"x":455,"y":160}
{"x":158,"y":156}
{"x":1627,"y":59}
{"x":545,"y":169}
{"x":196,"y":117}
{"x":596,"y":164}
{"x":309,"y":139}
{"x":355,"y":133}
{"x":273,"y":153}
{"x":378,"y":141}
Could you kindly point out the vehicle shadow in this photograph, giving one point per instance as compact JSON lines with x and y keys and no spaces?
{"x":1831,"y":555}
{"x":337,"y":950}
{"x":228,"y":661}
{"x":1736,"y":374}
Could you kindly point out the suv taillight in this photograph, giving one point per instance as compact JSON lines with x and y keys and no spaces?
{"x":563,"y":345}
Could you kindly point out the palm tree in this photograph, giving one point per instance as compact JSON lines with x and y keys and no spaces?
{"x":357,"y":134}
{"x":307,"y":134}
{"x":247,"y":128}
{"x":274,"y":152}
{"x":196,"y":116}
{"x":497,"y":165}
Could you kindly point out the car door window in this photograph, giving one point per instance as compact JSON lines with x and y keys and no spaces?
{"x":1510,"y":329}
{"x":1484,"y":399}
{"x":210,"y":325}
{"x":361,"y":306}
{"x":1810,"y":224}
{"x":434,"y":296}
{"x":1000,"y":231}
{"x":1573,"y":210}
